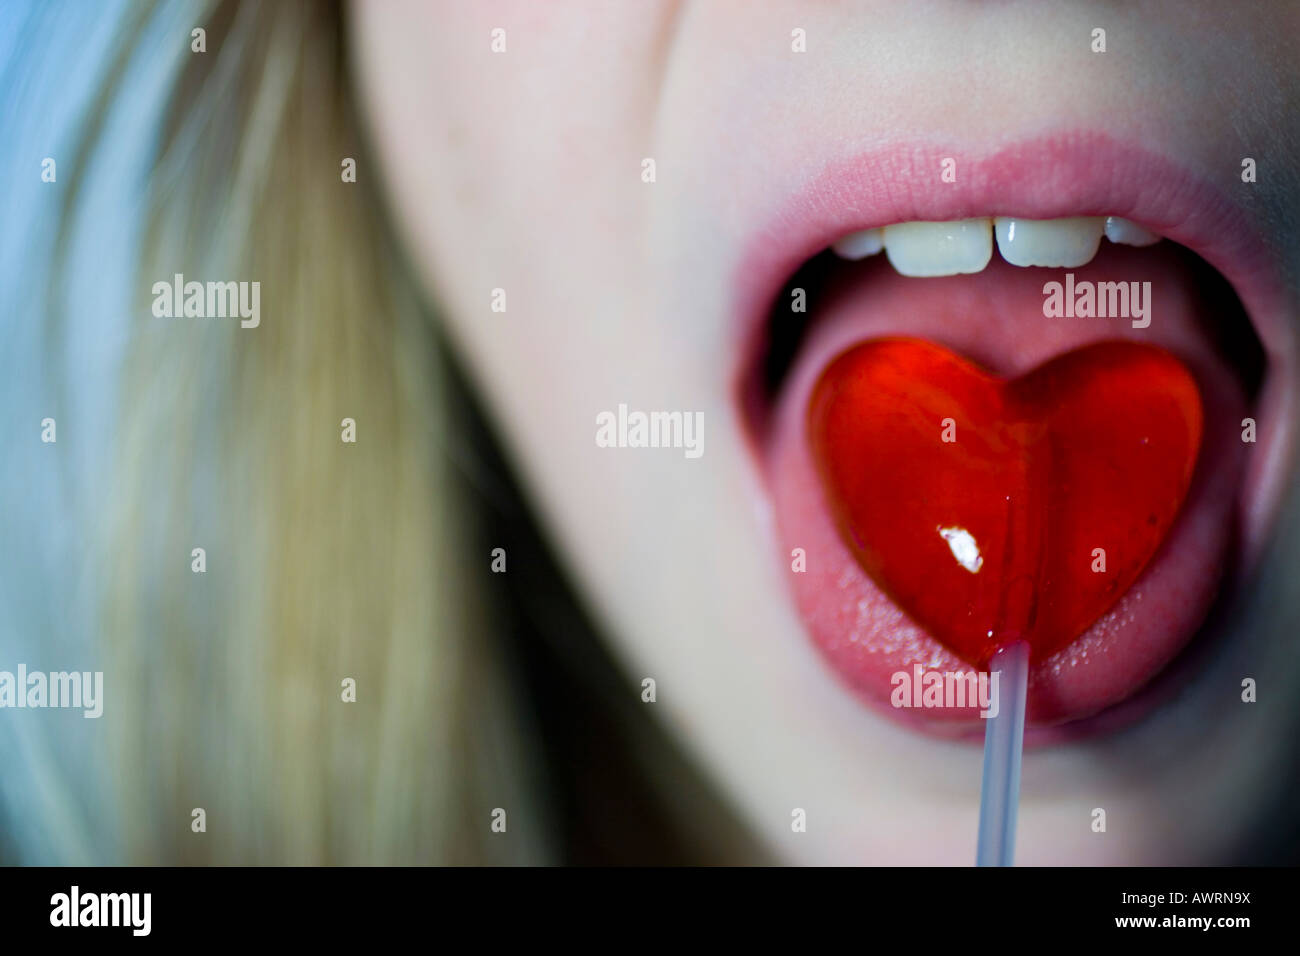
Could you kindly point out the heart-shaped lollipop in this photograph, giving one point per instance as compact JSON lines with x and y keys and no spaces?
{"x":994,"y":510}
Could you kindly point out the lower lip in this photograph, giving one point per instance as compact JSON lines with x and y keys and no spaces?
{"x":865,"y":637}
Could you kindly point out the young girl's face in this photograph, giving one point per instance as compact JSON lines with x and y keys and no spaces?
{"x":607,"y":201}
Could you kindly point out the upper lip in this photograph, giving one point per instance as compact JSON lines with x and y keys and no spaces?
{"x":1066,"y":174}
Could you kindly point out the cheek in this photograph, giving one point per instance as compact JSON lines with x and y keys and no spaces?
{"x":510,"y":137}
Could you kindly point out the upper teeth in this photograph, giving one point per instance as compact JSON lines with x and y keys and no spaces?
{"x":939,"y":248}
{"x":1048,"y":242}
{"x":953,"y":248}
{"x":1129,"y":233}
{"x":859,"y":245}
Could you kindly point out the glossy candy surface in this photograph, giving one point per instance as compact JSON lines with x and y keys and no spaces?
{"x":993,"y":510}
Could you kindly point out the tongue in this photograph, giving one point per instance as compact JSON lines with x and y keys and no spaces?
{"x":879,"y":599}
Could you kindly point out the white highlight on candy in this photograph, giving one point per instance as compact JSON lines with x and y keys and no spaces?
{"x":963,"y":547}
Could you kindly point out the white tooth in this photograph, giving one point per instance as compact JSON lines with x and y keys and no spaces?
{"x":1060,"y":243}
{"x":1128,"y":233}
{"x":859,"y":245}
{"x":923,"y":249}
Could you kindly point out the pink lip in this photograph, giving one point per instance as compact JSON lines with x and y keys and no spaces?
{"x":1055,"y":176}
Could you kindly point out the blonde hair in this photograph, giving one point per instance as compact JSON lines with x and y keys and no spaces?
{"x":325,"y":560}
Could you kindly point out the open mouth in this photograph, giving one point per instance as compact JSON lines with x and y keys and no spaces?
{"x":883,"y":248}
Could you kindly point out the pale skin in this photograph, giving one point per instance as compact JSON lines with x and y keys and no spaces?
{"x":522,"y":171}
